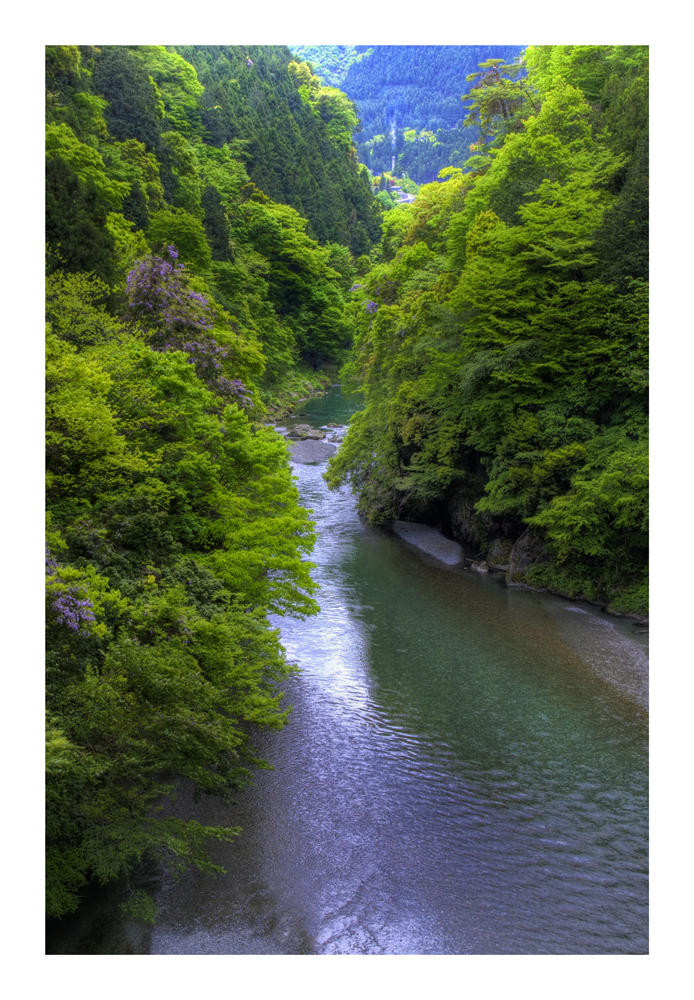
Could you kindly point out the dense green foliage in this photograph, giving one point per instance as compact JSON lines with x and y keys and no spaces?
{"x":501,"y":339}
{"x":174,"y":527}
{"x":185,"y":291}
{"x":294,"y":147}
{"x":230,"y":158}
{"x":409,"y":101}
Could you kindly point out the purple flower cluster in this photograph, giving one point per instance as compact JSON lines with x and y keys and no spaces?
{"x":371,"y":307}
{"x":206,"y":354}
{"x":354,"y":288}
{"x":72,"y":611}
{"x":70,"y":607}
{"x":158,"y":294}
{"x":233,"y":387}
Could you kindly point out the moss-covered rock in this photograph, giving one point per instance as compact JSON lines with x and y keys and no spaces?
{"x":527,"y":551}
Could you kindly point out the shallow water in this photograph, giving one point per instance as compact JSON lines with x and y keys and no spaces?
{"x":464,"y":770}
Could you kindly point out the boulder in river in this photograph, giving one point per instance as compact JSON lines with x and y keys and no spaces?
{"x":431,"y":541}
{"x":306,"y":432}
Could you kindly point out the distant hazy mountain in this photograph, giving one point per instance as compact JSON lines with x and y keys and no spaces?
{"x":330,"y":62}
{"x":408,"y":98}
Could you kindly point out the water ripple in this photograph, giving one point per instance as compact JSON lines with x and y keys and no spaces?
{"x":464,"y":771}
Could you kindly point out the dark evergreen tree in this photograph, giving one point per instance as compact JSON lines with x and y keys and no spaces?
{"x":125,"y":83}
{"x":76,"y":222}
{"x":216,"y":224}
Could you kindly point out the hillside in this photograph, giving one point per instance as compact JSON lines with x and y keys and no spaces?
{"x":331,"y":62}
{"x":409,"y":101}
{"x":501,"y":339}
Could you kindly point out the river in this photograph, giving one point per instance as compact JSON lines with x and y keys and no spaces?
{"x":464,"y":770}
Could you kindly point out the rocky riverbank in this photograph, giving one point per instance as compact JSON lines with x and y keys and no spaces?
{"x":514,"y":559}
{"x":310,"y":445}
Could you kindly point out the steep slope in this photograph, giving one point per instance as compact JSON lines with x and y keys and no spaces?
{"x":501,"y":340}
{"x":409,"y":102}
{"x":182,"y":300}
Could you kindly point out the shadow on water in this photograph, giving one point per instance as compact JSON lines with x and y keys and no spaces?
{"x":98,"y":927}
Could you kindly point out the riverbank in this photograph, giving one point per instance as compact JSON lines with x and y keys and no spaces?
{"x":515,"y":560}
{"x":505,"y":730}
{"x":502,"y":564}
{"x":512,"y":560}
{"x":297,"y":390}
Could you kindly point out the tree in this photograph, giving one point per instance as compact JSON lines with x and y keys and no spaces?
{"x":216,"y":225}
{"x":76,"y":222}
{"x":133,"y":112}
{"x":186,"y":233}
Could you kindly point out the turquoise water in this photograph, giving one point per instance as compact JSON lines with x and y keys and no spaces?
{"x":464,"y":770}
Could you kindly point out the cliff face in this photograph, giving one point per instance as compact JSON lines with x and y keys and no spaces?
{"x":527,"y":551}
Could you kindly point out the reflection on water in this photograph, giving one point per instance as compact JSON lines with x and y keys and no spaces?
{"x":464,"y":771}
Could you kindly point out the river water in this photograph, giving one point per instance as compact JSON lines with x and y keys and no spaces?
{"x":464,"y":770}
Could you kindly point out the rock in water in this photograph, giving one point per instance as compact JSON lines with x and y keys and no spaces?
{"x":429,"y":540}
{"x":308,"y":451}
{"x":304,"y":431}
{"x":479,"y":567}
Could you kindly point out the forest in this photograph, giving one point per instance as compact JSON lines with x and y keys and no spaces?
{"x":215,"y":251}
{"x":409,"y":100}
{"x":331,"y":62}
{"x":501,"y":337}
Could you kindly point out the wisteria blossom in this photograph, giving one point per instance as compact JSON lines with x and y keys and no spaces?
{"x":70,"y":607}
{"x":159,"y":296}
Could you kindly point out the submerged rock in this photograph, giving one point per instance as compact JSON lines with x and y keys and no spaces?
{"x":429,"y":540}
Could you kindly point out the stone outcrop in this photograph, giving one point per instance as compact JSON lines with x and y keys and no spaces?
{"x":527,"y":551}
{"x":499,"y":554}
{"x":431,"y":541}
{"x":463,"y":523}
